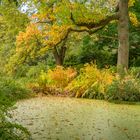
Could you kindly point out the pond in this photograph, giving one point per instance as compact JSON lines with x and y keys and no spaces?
{"x":57,"y":118}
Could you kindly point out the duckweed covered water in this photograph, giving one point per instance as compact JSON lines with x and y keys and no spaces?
{"x":56,"y":118}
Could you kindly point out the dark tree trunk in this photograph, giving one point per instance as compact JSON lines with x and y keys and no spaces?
{"x":123,"y":35}
{"x":59,"y":55}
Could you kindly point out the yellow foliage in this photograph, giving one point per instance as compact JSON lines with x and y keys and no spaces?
{"x":59,"y":77}
{"x":56,"y":34}
{"x":133,"y":19}
{"x":46,"y":15}
{"x":31,"y":33}
{"x":90,"y":78}
{"x":28,"y":43}
{"x":131,"y":3}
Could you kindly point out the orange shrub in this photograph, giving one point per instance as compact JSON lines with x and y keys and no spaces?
{"x":61,"y":77}
{"x":57,"y":79}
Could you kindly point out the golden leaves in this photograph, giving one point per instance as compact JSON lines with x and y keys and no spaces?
{"x":26,"y":37}
{"x":131,"y":3}
{"x":59,"y":77}
{"x":133,"y":19}
{"x":56,"y":34}
{"x":90,"y":77}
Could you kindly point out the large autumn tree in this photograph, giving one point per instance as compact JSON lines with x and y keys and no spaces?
{"x":53,"y":22}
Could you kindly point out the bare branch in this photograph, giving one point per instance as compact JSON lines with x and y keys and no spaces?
{"x":90,"y":31}
{"x":45,"y":22}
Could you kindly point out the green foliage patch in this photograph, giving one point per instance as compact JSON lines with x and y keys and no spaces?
{"x":10,"y":92}
{"x":127,"y":89}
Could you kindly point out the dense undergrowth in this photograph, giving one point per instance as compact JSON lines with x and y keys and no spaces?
{"x":89,"y":82}
{"x":10,"y":92}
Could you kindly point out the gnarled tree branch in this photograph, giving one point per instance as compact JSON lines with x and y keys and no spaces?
{"x":93,"y":24}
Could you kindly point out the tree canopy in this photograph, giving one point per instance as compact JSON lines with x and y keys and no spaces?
{"x":53,"y":22}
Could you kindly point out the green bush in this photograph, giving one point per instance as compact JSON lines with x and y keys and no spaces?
{"x":135,"y":72}
{"x":127,"y":89}
{"x":34,"y":71}
{"x":10,"y":131}
{"x":11,"y":91}
{"x":19,"y":71}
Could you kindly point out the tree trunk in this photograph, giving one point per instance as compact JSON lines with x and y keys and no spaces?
{"x":123,"y":36}
{"x":59,"y":55}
